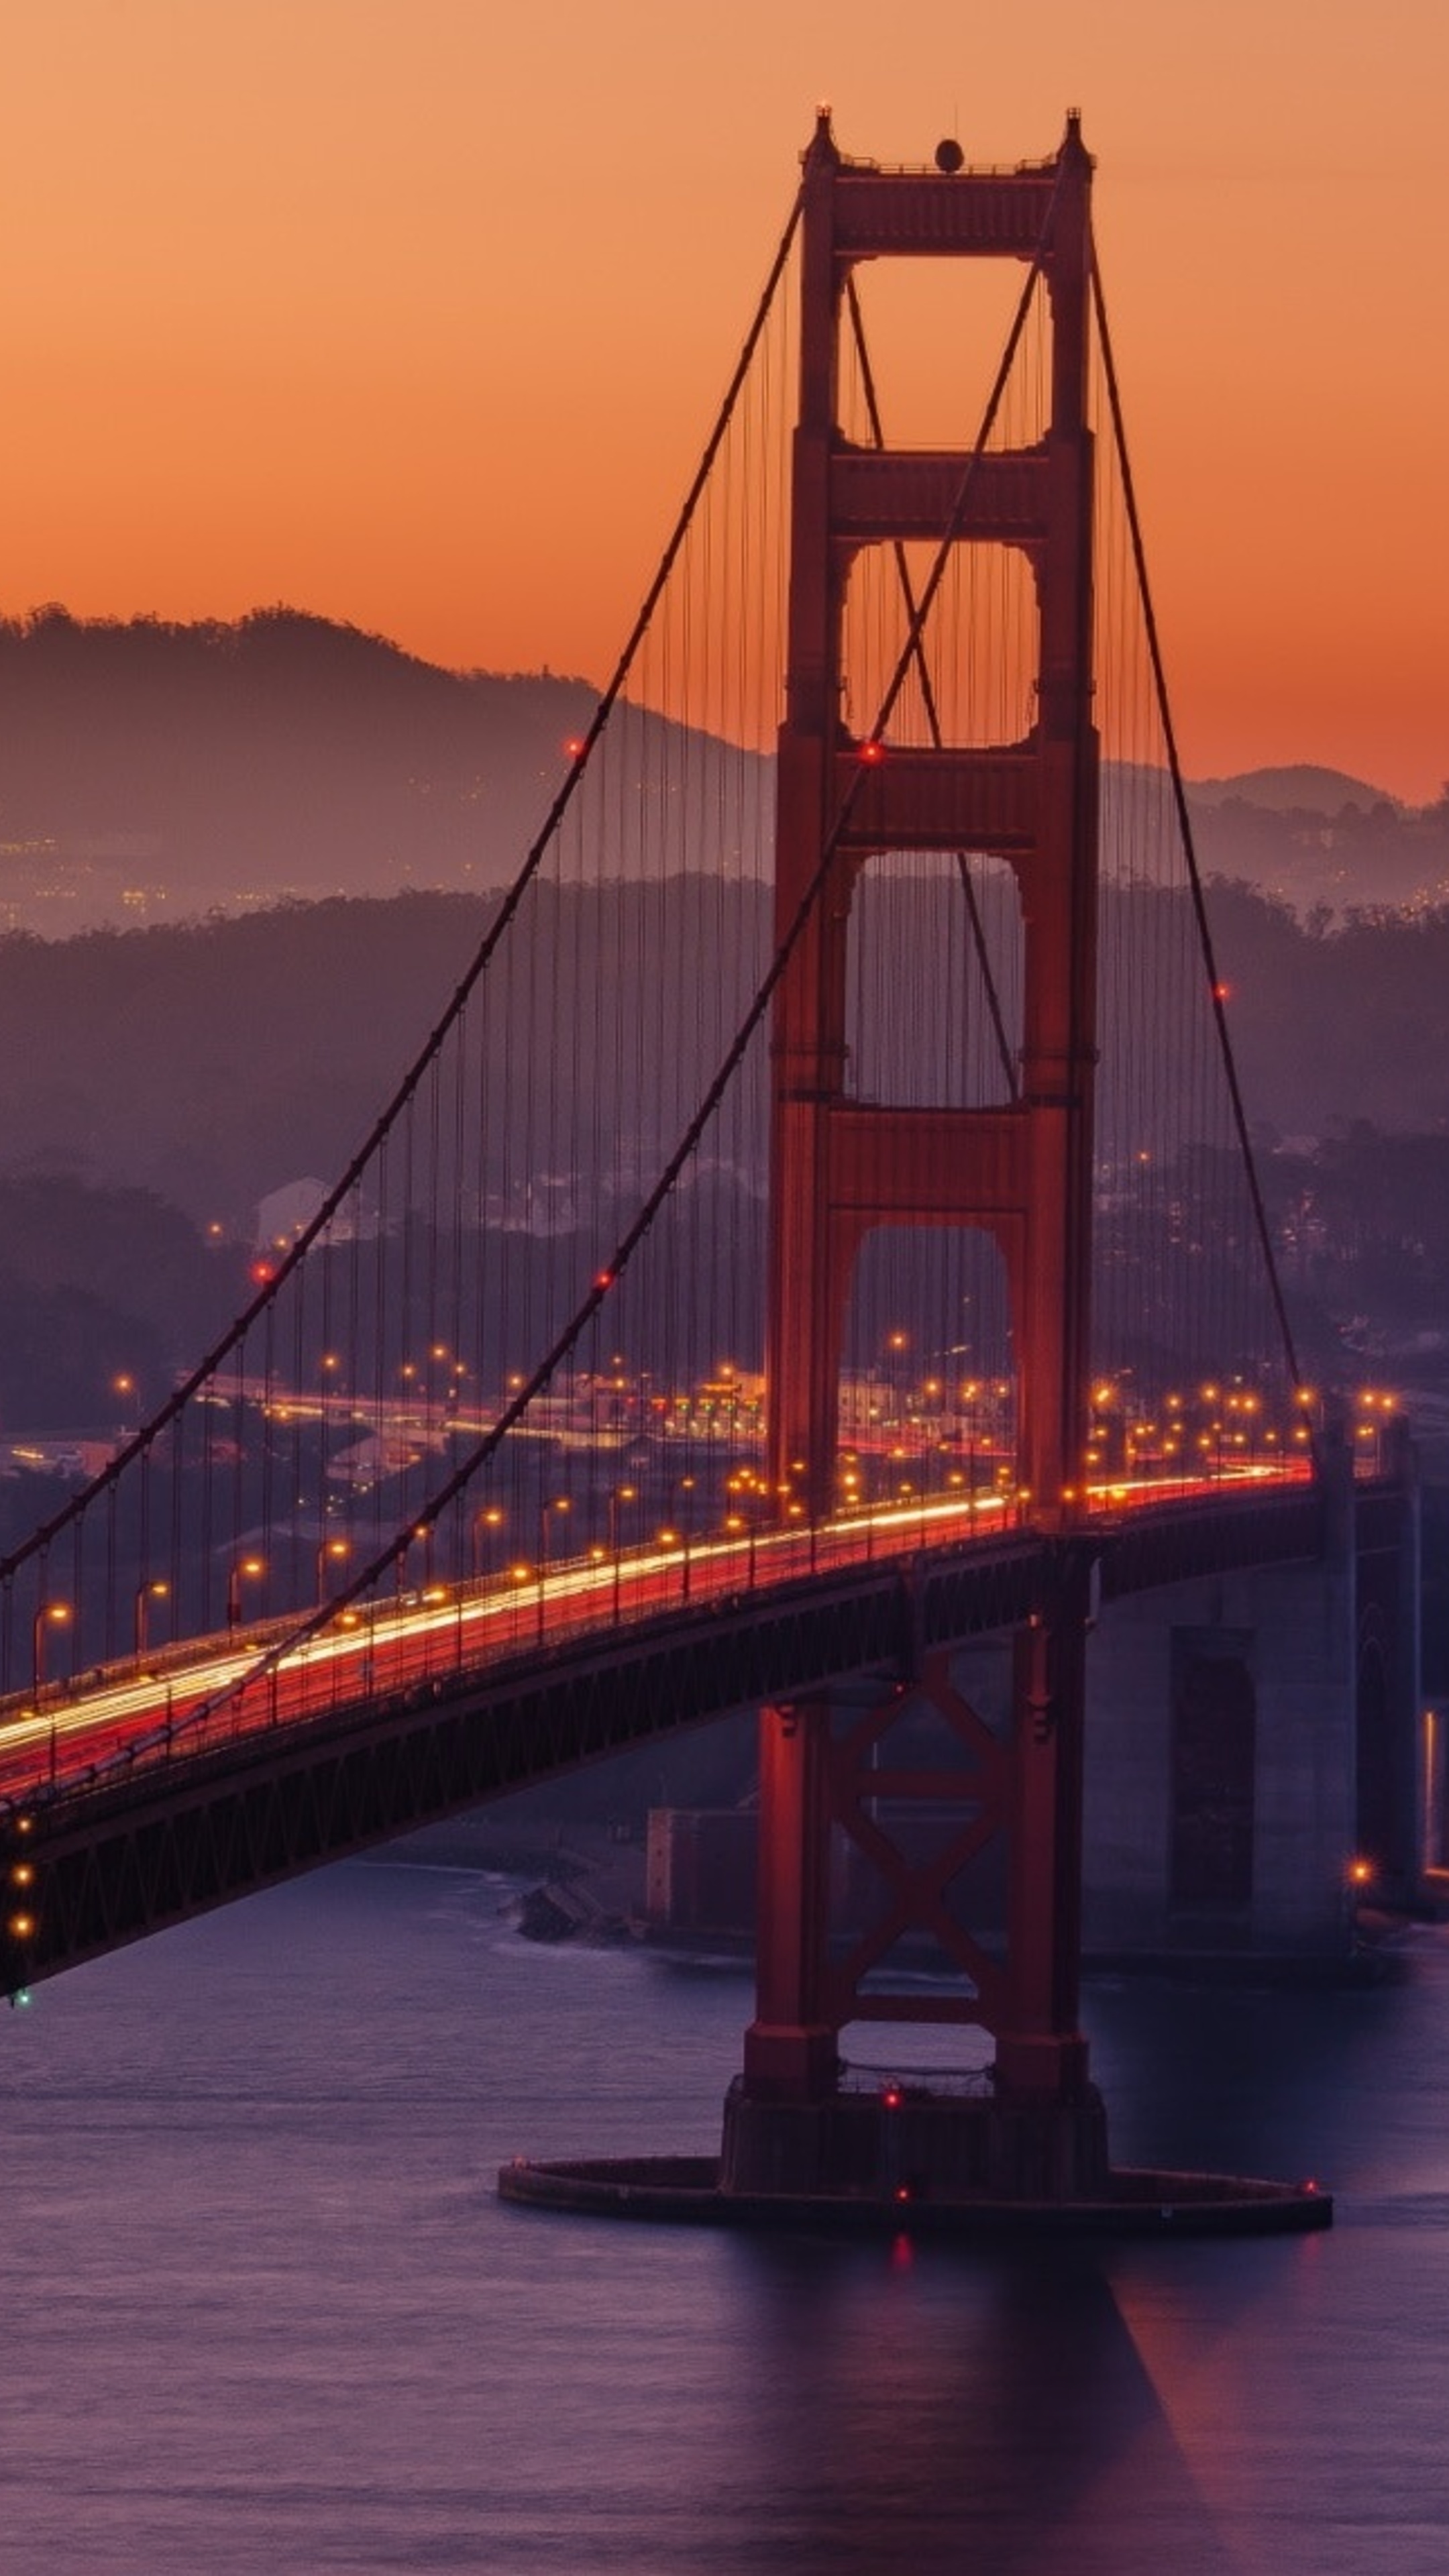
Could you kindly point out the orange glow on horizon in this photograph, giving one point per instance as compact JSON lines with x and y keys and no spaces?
{"x":416,"y":317}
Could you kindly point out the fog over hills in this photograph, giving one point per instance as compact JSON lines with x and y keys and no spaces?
{"x":153,"y":772}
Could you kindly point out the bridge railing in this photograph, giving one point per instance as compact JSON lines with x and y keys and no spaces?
{"x":129,"y":1717}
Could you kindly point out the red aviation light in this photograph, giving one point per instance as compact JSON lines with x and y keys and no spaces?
{"x":872,"y":753}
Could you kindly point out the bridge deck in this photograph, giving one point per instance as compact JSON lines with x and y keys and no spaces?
{"x":431,"y":1713}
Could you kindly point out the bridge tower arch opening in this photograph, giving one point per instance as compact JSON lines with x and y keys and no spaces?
{"x":927,"y":1389}
{"x":934,"y":982}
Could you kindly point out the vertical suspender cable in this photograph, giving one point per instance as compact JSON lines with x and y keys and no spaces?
{"x":1184,"y":821}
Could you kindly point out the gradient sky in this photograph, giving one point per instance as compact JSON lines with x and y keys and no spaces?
{"x":414,"y":312}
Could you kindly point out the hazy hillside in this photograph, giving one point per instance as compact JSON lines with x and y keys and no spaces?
{"x":215,"y":1062}
{"x":153,"y":772}
{"x":1301,"y":788}
{"x":1361,"y":858}
{"x":158,"y":1084}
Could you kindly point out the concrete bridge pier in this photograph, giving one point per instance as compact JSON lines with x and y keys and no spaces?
{"x":1255,"y":1763}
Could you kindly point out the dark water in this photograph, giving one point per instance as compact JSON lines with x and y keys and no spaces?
{"x":261,"y":2310}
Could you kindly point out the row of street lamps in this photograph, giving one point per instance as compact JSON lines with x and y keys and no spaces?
{"x":745,"y":1490}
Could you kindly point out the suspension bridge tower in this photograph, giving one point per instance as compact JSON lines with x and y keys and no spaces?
{"x":1021,"y":1170}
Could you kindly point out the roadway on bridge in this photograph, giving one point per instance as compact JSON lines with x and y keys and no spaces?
{"x":233,"y":1685}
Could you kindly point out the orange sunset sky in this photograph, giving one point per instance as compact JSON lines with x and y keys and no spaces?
{"x":414,"y":312}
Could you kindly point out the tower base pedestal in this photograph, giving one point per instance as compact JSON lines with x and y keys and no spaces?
{"x":903,"y":2143}
{"x":928,"y":2162}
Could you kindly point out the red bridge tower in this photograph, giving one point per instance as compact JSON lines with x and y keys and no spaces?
{"x":1022,"y":1170}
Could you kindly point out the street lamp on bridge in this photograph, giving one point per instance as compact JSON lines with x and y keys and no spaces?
{"x":560,"y":1505}
{"x":242,"y":1569}
{"x":330,"y":1551}
{"x":484,"y":1523}
{"x":146,"y":1593}
{"x":620,"y":1494}
{"x":51,"y":1614}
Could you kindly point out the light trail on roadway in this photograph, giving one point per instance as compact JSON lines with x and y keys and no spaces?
{"x":72,"y":1734}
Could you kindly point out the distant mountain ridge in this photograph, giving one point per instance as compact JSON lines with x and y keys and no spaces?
{"x":1301,"y":788}
{"x":153,"y":771}
{"x":239,"y":763}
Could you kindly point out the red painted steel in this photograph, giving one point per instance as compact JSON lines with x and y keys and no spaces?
{"x":1023,"y":1172}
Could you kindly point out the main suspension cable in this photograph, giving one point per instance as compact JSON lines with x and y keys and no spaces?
{"x":316,"y":1227}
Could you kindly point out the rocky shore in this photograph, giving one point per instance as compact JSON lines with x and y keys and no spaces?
{"x":576,"y":1880}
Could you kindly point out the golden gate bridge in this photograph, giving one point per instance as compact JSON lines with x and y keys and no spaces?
{"x":819,"y":1231}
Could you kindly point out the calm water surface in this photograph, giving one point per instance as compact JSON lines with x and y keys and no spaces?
{"x":262,"y":2312}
